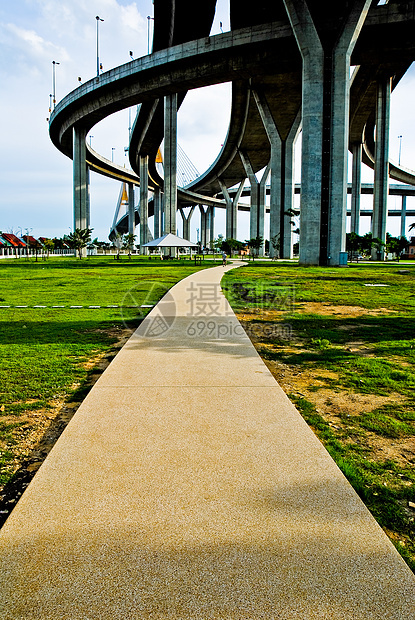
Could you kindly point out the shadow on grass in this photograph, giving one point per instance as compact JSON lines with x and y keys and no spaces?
{"x":82,"y":332}
{"x":18,"y":482}
{"x":368,"y":329}
{"x":99,"y":263}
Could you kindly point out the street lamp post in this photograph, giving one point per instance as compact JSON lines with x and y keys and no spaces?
{"x":98,"y":20}
{"x":400,"y":149}
{"x":148,"y":32}
{"x":112,"y":153}
{"x":54,"y":63}
{"x":21,"y":236}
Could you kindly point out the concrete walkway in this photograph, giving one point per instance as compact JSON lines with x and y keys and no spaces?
{"x":187,"y":486}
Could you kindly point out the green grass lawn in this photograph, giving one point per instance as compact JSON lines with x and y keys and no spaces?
{"x":46,"y":353}
{"x":346,"y":358}
{"x":341,"y":338}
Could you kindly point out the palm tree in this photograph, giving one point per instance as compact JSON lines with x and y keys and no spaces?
{"x":79,"y":239}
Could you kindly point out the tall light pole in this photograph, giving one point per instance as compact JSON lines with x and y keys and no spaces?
{"x":90,"y":140}
{"x":148,"y":32}
{"x":112,"y":153}
{"x":98,"y":20}
{"x":400,"y":149}
{"x":54,"y":63}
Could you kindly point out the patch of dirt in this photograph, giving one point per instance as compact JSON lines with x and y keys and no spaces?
{"x":312,"y":307}
{"x":333,"y":404}
{"x":39,"y":430}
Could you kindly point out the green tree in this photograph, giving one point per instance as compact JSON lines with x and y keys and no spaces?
{"x":79,"y":239}
{"x":255,"y":244}
{"x":217,"y":244}
{"x":354,"y":244}
{"x":232,"y":245}
{"x":128,"y":242}
{"x":49,"y":246}
{"x":396,"y":245}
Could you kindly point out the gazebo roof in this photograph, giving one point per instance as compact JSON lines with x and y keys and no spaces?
{"x":170,"y":241}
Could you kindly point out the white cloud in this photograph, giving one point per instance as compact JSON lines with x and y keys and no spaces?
{"x":131,"y":18}
{"x":35,"y":44}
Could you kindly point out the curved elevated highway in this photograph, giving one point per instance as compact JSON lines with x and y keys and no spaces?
{"x":262,"y":60}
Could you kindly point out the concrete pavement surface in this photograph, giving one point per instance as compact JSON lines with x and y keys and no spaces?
{"x":187,"y":486}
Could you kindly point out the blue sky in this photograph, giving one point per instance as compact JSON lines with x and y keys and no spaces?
{"x":35,"y":178}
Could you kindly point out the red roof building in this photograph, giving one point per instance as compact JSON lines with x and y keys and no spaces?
{"x":31,"y":241}
{"x":15,"y":241}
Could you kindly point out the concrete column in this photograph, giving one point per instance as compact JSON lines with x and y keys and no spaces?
{"x":325,"y":112}
{"x":131,"y":213}
{"x":282,"y":176}
{"x":289,"y":188}
{"x":203,"y":227}
{"x":170,"y":163}
{"x":157,"y":212}
{"x":231,"y":209}
{"x":208,"y":224}
{"x":403,"y":217}
{"x":257,"y":207}
{"x":186,"y":221}
{"x":356,"y":187}
{"x":312,"y":119}
{"x":211,"y":225}
{"x":81,"y":202}
{"x":381,"y":180}
{"x":337,"y":215}
{"x":143,"y":203}
{"x":276,"y":167}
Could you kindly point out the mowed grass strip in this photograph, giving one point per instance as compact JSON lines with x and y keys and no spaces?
{"x":341,"y":343}
{"x":48,"y":355}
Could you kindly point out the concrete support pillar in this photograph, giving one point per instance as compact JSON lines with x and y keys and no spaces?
{"x":143,"y":203}
{"x":312,"y":119}
{"x":356,"y":187}
{"x":81,"y":203}
{"x":170,"y":164}
{"x":381,"y":179}
{"x":288,"y":188}
{"x":186,"y":222}
{"x":257,"y":207}
{"x":211,"y":226}
{"x":231,"y":209}
{"x":131,"y":213}
{"x":403,"y":217}
{"x":325,"y":118}
{"x":208,"y":224}
{"x":203,"y":226}
{"x":157,"y":198}
{"x":282,"y":177}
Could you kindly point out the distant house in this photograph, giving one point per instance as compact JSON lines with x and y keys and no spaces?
{"x":33,"y":245}
{"x":410,"y":250}
{"x":13,"y":243}
{"x":4,"y":246}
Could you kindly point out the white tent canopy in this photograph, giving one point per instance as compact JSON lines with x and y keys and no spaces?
{"x":170,"y":241}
